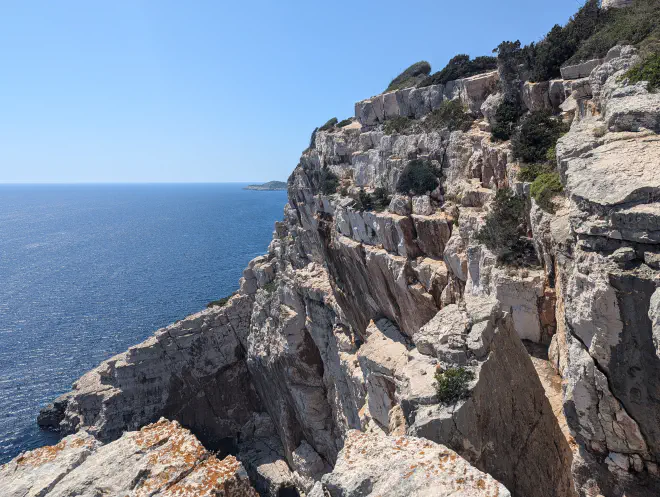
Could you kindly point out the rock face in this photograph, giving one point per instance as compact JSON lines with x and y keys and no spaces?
{"x":161,"y":460}
{"x":344,"y":323}
{"x":371,"y":465}
{"x":192,"y":371}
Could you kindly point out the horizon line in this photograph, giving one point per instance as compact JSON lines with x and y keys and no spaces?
{"x":132,"y":182}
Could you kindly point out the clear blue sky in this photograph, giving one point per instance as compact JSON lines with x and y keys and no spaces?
{"x":202,"y":90}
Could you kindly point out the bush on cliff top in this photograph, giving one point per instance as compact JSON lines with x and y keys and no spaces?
{"x":450,"y":115}
{"x":417,"y":178}
{"x":411,"y":76}
{"x":329,"y":124}
{"x":452,"y":384}
{"x":344,"y":122}
{"x":460,"y":66}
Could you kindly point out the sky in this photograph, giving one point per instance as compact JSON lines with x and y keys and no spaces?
{"x":210,"y":90}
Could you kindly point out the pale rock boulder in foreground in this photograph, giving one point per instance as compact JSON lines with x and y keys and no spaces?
{"x":161,"y":460}
{"x":370,"y":465}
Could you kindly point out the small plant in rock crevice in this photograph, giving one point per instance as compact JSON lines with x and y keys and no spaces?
{"x":452,"y":384}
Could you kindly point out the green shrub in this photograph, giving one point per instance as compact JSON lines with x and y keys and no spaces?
{"x":326,"y":181}
{"x":506,"y":117}
{"x":220,"y":302}
{"x":551,"y":154}
{"x":452,"y":384}
{"x":638,"y":24}
{"x":530,"y":172}
{"x":364,"y":202}
{"x":544,"y":187}
{"x":381,"y":199}
{"x":271,"y":286}
{"x":450,"y":115}
{"x":329,"y":124}
{"x":647,"y":70}
{"x":459,"y":67}
{"x":398,"y":124}
{"x":344,"y":122}
{"x":501,"y":231}
{"x":417,"y":178}
{"x":411,"y":76}
{"x":538,"y":132}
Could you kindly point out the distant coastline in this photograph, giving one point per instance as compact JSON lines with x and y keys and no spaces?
{"x":270,"y":186}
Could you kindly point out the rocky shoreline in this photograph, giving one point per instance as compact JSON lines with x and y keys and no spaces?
{"x":320,"y":375}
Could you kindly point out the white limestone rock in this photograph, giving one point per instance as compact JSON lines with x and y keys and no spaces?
{"x":371,"y":465}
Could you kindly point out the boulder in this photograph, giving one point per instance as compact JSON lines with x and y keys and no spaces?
{"x":370,"y":465}
{"x":162,"y":459}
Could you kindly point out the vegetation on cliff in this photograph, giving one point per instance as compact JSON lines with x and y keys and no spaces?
{"x":452,"y":384}
{"x":418,"y":177}
{"x":647,"y":70}
{"x":460,"y":66}
{"x":411,"y":76}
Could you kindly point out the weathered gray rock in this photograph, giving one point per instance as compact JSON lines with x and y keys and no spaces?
{"x":581,"y":70}
{"x":162,"y":460}
{"x":371,"y":465}
{"x":518,"y":423}
{"x":192,"y":371}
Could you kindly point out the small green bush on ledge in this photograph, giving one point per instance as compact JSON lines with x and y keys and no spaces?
{"x":452,"y":384}
{"x":530,"y":172}
{"x":417,"y":178}
{"x":411,"y":76}
{"x":344,"y":122}
{"x":398,"y":124}
{"x":220,"y":302}
{"x":451,"y":115}
{"x":329,"y":124}
{"x":647,"y":70}
{"x":544,"y":187}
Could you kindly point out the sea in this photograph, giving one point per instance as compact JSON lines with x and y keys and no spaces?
{"x":86,"y":271}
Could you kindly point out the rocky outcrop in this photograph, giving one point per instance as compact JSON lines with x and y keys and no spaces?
{"x":160,"y":460}
{"x":372,"y":465}
{"x":192,"y":371}
{"x":417,"y":102}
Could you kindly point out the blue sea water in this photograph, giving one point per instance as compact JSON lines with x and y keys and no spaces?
{"x":88,"y":270}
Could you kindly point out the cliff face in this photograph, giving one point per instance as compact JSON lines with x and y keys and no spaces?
{"x":344,"y":323}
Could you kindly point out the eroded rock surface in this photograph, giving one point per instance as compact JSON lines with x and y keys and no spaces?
{"x":160,"y":460}
{"x":372,"y":465}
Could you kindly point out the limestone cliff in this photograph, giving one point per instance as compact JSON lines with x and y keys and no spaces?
{"x":344,"y":325}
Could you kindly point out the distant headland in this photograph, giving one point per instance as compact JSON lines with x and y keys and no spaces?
{"x":270,"y":186}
